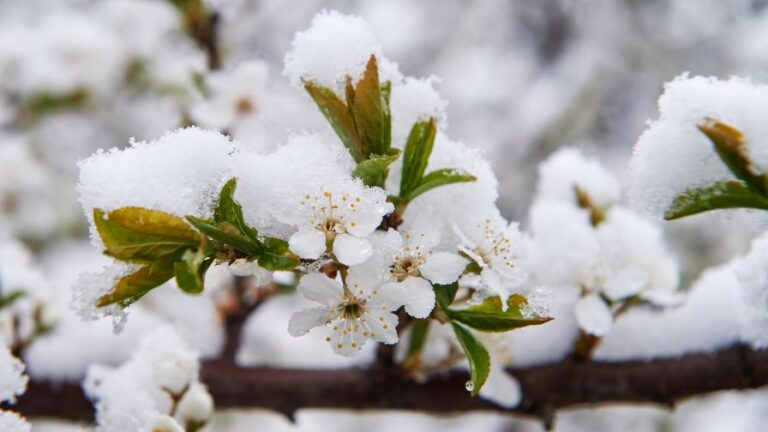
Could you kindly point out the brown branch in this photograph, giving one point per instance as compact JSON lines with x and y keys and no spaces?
{"x":545,"y":388}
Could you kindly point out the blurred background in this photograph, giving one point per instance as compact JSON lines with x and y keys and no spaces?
{"x":522,"y":79}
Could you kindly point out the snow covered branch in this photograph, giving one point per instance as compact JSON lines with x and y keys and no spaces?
{"x":545,"y":388}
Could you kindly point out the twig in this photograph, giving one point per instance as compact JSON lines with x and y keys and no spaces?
{"x":545,"y":388}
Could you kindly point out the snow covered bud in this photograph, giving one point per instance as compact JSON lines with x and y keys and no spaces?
{"x":174,"y":371}
{"x":195,"y":407}
{"x":163,"y":423}
{"x":335,"y":47}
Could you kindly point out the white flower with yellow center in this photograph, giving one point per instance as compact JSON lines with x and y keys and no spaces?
{"x":496,"y":248}
{"x":416,"y":267}
{"x":339,"y":223}
{"x":360,"y":311}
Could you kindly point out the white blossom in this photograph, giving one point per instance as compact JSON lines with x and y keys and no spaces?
{"x":497,"y":248}
{"x":593,"y":315}
{"x":354,"y":313}
{"x":415,"y":267}
{"x":338,"y":222}
{"x":232,"y":95}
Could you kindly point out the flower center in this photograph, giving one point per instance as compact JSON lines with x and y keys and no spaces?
{"x":406,"y":266}
{"x":330,"y":225}
{"x":244,"y":106}
{"x":352,"y":308}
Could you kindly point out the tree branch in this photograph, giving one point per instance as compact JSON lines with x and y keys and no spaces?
{"x":545,"y":388}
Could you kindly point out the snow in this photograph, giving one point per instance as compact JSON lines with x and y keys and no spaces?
{"x":710,"y":319}
{"x":415,"y":100}
{"x":180,"y":173}
{"x":13,"y":381}
{"x":335,"y":47}
{"x":672,"y":155}
{"x":12,"y":422}
{"x":567,"y":169}
{"x":517,"y":93}
{"x":750,"y":272}
{"x":138,"y":394}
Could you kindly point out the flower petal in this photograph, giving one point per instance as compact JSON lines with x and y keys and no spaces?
{"x":415,"y":293}
{"x":351,"y":250}
{"x":502,"y":388}
{"x":382,"y":325}
{"x":347,"y":337}
{"x":366,"y":218}
{"x":663,"y":298}
{"x":443,"y":267}
{"x":322,"y":289}
{"x":593,"y":315}
{"x":492,"y":282}
{"x":307,"y":243}
{"x":626,"y":283}
{"x":303,"y":321}
{"x":243,"y":267}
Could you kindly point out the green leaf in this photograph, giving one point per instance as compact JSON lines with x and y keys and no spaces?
{"x":488,"y":316}
{"x":132,"y":287}
{"x":338,"y":115}
{"x":418,"y":149}
{"x":373,"y":172}
{"x":276,"y":256}
{"x":730,"y":146}
{"x":228,"y":234}
{"x":10,"y":298}
{"x":190,"y":271}
{"x":229,"y":210}
{"x":477,"y":356}
{"x":386,"y":137}
{"x":721,"y":195}
{"x":419,"y":331}
{"x":44,"y":103}
{"x":445,"y":294}
{"x":370,"y":109}
{"x":439,"y":178}
{"x":139,"y":235}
